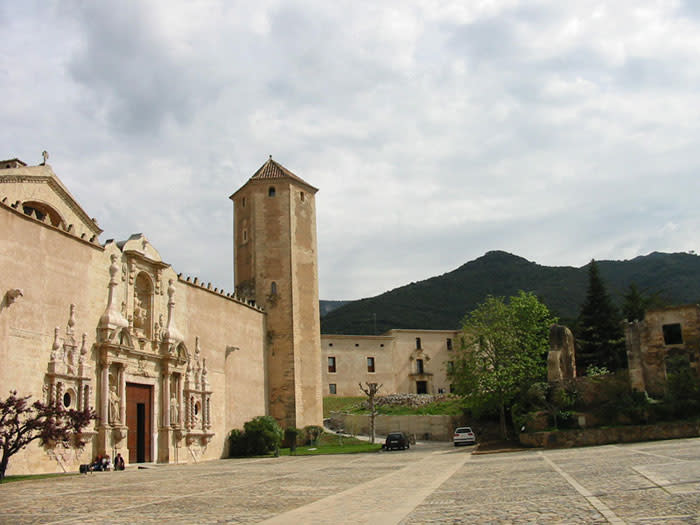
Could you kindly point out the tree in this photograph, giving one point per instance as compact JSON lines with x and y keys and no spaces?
{"x":504,"y":348}
{"x":50,"y":423}
{"x":600,"y":336}
{"x":371,"y":392}
{"x":635,"y":302}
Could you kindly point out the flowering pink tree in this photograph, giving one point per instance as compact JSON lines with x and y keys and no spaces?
{"x":22,"y":422}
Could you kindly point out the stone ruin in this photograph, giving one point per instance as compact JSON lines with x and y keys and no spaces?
{"x":561,"y":360}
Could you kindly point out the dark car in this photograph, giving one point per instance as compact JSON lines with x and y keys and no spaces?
{"x":397,"y":440}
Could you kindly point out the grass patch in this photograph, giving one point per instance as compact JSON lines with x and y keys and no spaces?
{"x":333,"y":444}
{"x":24,"y":477}
{"x":333,"y":449}
{"x":340,"y":404}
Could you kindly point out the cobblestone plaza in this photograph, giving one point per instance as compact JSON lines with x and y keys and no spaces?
{"x":654,"y":482}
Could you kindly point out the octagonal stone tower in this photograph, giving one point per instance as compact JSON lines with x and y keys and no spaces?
{"x":275,"y":262}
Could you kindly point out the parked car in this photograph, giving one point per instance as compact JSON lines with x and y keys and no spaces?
{"x":463,"y":436}
{"x":397,"y":440}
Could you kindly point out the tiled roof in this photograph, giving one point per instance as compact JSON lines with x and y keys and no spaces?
{"x":274,"y":170}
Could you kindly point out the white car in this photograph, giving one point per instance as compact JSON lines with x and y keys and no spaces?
{"x":463,"y":436}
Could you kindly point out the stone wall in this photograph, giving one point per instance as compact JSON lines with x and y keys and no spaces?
{"x":602,"y":436}
{"x":436,"y":428}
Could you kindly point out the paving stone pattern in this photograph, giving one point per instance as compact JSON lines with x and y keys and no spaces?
{"x":644,"y":483}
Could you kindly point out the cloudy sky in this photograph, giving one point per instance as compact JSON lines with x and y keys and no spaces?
{"x":435,"y":130}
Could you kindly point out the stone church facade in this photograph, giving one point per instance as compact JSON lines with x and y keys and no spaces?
{"x":169,"y":364}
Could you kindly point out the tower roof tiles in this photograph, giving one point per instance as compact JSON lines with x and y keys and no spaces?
{"x":271,"y":171}
{"x":275,"y":170}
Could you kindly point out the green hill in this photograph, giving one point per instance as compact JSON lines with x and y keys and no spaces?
{"x":441,"y":302}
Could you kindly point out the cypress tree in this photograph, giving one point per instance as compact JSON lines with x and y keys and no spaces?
{"x":600,"y":336}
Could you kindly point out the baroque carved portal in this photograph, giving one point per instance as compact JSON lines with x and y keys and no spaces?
{"x":149,"y":356}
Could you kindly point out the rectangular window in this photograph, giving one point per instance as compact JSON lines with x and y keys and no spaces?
{"x":421,"y":387}
{"x":449,"y":343}
{"x":419,"y":366}
{"x":418,"y":343}
{"x":331,"y":365}
{"x":673,"y":334}
{"x":452,"y":388}
{"x":441,"y":390}
{"x":450,"y":366}
{"x":332,"y":389}
{"x":370,"y":364}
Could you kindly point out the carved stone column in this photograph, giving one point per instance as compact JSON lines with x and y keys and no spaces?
{"x":103,"y":437}
{"x":104,"y":395}
{"x":122,"y":394}
{"x":180,"y":403}
{"x":166,"y":399}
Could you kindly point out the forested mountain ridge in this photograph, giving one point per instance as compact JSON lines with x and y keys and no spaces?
{"x":441,"y":302}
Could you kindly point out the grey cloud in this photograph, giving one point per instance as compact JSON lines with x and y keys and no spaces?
{"x":432,"y":140}
{"x":133,"y":74}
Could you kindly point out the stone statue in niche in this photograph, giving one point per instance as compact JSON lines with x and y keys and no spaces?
{"x":70,"y":361}
{"x":195,"y":414}
{"x":114,"y":412}
{"x":142,"y":305}
{"x":174,"y":410}
{"x":139,"y":314}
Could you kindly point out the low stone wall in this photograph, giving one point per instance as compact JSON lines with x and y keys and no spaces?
{"x":436,"y":428}
{"x":602,"y":436}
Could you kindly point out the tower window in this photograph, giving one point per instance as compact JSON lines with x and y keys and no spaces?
{"x":273,"y":288}
{"x":301,"y":196}
{"x":271,"y":191}
{"x":243,"y":202}
{"x":245,"y":235}
{"x":331,"y":364}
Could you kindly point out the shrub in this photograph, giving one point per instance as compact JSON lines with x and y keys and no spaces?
{"x":623,"y":405}
{"x":313,"y":432}
{"x":260,"y":435}
{"x":595,"y":371}
{"x":238,"y":446}
{"x":263,"y":435}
